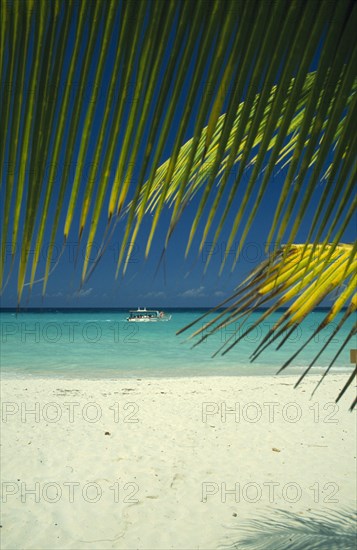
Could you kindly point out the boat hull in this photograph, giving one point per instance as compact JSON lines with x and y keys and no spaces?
{"x":156,"y":320}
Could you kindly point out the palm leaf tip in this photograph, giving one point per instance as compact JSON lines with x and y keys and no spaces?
{"x":298,"y":277}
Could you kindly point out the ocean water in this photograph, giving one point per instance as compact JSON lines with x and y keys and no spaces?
{"x":101,"y":343}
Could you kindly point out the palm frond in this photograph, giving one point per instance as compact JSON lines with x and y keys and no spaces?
{"x":300,"y":274}
{"x":257,"y":58}
{"x":317,"y":530}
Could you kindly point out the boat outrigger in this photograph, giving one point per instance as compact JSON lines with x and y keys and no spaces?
{"x":143,"y":315}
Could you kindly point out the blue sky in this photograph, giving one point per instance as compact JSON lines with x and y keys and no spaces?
{"x":176,"y":282}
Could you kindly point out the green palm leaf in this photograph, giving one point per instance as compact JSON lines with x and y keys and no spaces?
{"x":21,"y":41}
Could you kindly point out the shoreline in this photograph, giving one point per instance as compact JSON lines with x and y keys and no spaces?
{"x":169,"y":463}
{"x":294,"y":371}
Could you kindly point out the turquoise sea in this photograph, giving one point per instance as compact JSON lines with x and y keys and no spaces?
{"x":101,"y":343}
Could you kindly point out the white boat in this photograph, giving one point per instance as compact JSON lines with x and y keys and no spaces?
{"x":143,"y":315}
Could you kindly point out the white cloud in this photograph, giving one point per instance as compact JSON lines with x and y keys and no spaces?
{"x":159,"y":294}
{"x":219,"y":293}
{"x":53,"y":295}
{"x":193,"y":293}
{"x":82,"y":293}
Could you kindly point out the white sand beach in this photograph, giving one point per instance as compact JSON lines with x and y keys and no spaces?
{"x":167,"y":463}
